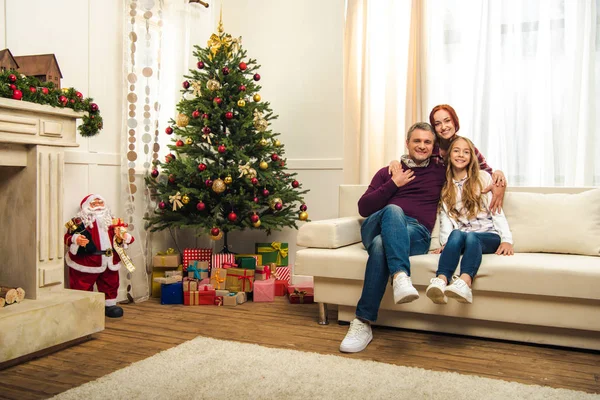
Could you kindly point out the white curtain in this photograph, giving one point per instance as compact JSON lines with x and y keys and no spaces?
{"x":523,"y":78}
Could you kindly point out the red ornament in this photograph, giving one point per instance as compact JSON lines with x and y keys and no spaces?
{"x":93,"y":107}
{"x":63,"y":100}
{"x":242,"y":88}
{"x":202,"y":167}
{"x":32,"y":89}
{"x":17,"y":94}
{"x":295,"y":184}
{"x":79,"y":95}
{"x":12,"y":78}
{"x":196,"y":114}
{"x":232,"y":217}
{"x":169,"y":130}
{"x":172,"y":178}
{"x":200,"y":65}
{"x":170,"y":157}
{"x":45,"y":90}
{"x":254,"y":181}
{"x":218,"y":100}
{"x":282,"y":163}
{"x":215,"y":232}
{"x":162,"y":205}
{"x":278,"y":206}
{"x":179,"y":143}
{"x":12,"y":87}
{"x":208,"y":182}
{"x":222,"y":149}
{"x":206,"y":130}
{"x":186,"y":85}
{"x":205,"y":116}
{"x":243,"y":66}
{"x":228,"y":115}
{"x":303,"y":207}
{"x":257,"y":77}
{"x":225,"y":71}
{"x":256,"y":200}
{"x":274,"y":157}
{"x":266,"y":193}
{"x":154,"y":173}
{"x":200,"y":206}
{"x":72,"y":101}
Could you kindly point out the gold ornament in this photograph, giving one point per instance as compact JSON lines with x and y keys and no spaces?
{"x":197,"y":88}
{"x":303,"y":216}
{"x":256,"y":224}
{"x":65,"y":90}
{"x":261,"y":125}
{"x":185,"y":199}
{"x":218,"y":237}
{"x":277,"y":143}
{"x":251,"y":173}
{"x":228,"y":180}
{"x":274,"y":201}
{"x":256,"y":97}
{"x":263,"y":142}
{"x":182,"y":120}
{"x":213,"y":85}
{"x":218,"y":186}
{"x":263,"y":165}
{"x":241,"y":103}
{"x":189,"y":141}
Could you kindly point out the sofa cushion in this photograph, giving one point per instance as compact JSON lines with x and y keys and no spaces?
{"x":536,"y":274}
{"x":554,"y":223}
{"x":330,"y":233}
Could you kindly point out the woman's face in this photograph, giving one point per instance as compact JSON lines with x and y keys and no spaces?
{"x":460,"y":154}
{"x":443,"y":124}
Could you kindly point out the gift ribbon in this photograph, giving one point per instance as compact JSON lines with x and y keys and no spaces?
{"x":162,"y":254}
{"x":266,"y":270}
{"x":275,"y":246}
{"x":176,"y":200}
{"x":227,"y":264}
{"x":194,"y":268}
{"x":244,"y":169}
{"x":300,"y":293}
{"x":197,"y":88}
{"x":217,"y":278}
{"x":243,"y":278}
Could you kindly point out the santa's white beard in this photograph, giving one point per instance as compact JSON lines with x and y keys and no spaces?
{"x":101,"y":216}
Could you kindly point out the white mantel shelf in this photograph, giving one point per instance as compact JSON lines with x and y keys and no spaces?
{"x":33,"y":138}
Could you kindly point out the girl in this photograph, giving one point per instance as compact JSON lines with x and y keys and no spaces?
{"x":466,"y":225}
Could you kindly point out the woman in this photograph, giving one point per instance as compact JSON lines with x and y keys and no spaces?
{"x":467,"y":226}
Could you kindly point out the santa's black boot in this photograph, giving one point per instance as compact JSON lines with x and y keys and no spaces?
{"x":113,"y":311}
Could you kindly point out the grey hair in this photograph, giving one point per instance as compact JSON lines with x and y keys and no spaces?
{"x":424,"y":126}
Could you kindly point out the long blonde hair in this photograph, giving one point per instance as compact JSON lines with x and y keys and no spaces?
{"x":472,"y":200}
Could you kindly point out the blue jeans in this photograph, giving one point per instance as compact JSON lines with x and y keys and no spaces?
{"x":390,"y":237}
{"x":473,"y":245}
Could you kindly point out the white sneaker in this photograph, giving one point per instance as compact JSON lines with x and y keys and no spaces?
{"x":358,"y":337}
{"x":459,"y":290}
{"x":435,"y":291}
{"x":404,"y":291}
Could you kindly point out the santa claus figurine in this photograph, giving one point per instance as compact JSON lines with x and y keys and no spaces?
{"x":94,"y":240}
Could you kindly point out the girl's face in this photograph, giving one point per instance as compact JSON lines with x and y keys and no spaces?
{"x":443,"y":124}
{"x":460,"y":154}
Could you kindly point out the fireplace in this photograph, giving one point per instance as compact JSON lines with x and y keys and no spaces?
{"x":33,"y":139}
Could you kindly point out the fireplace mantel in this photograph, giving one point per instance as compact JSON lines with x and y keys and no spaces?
{"x":33,"y":139}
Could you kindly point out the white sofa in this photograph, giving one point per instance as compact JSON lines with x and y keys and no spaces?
{"x":537,"y":295}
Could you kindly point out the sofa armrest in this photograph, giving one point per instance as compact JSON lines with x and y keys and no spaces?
{"x":330,"y":233}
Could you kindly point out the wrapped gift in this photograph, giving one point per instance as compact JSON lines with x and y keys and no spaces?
{"x":218,"y":300}
{"x":205,"y":281}
{"x":241,"y":297}
{"x":167,"y":280}
{"x":221,"y":292}
{"x":172,"y":293}
{"x":301,"y":295}
{"x":264,"y":291}
{"x":262,"y":273}
{"x":276,"y":252}
{"x":240,"y":278}
{"x":198,"y":269}
{"x":281,"y":288}
{"x":283,"y":274}
{"x":155,"y":284}
{"x":257,"y":257}
{"x":207,"y":297}
{"x":230,"y":299}
{"x":218,"y":277}
{"x":205,"y":286}
{"x":191,"y":298}
{"x":234,"y":289}
{"x":220,"y":258}
{"x":190,"y":285}
{"x":190,"y":255}
{"x":166,"y":259}
{"x":173,"y":273}
{"x":228,"y":264}
{"x":246,"y":262}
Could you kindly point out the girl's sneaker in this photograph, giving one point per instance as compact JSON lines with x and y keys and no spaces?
{"x":435,"y":291}
{"x":459,"y":290}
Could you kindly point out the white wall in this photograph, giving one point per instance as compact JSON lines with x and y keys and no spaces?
{"x":298,"y":44}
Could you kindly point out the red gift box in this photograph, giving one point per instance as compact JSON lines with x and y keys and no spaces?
{"x":284,"y":274}
{"x":220,"y":258}
{"x":281,"y":288}
{"x":191,"y":298}
{"x":207,"y":297}
{"x":190,"y":255}
{"x":301,"y":295}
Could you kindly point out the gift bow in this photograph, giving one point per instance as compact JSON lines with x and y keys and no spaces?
{"x":216,"y":42}
{"x":217,"y":278}
{"x":300,"y":293}
{"x":227,"y":264}
{"x":168,"y":252}
{"x":281,"y":252}
{"x":244,"y":169}
{"x":197,"y":88}
{"x":176,"y":200}
{"x":242,"y":278}
{"x":267,"y":271}
{"x":194,"y":268}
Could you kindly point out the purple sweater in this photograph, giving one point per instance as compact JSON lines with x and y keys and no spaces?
{"x":418,"y":199}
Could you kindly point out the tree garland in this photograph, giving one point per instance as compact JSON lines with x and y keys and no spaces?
{"x":28,"y":88}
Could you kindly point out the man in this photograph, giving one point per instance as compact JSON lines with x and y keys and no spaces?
{"x":401,"y":210}
{"x":91,"y":254}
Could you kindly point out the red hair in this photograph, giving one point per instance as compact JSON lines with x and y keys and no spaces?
{"x":450,"y":111}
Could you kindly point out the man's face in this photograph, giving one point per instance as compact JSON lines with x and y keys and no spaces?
{"x":96,"y":204}
{"x":420,"y":145}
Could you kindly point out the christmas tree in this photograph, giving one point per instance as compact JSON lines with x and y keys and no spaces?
{"x":226,"y":169}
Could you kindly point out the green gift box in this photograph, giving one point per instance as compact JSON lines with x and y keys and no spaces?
{"x":274,"y":252}
{"x":246,"y":262}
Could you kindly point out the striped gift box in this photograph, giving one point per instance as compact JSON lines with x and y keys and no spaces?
{"x":219,"y":259}
{"x":283,"y":274}
{"x":190,"y":255}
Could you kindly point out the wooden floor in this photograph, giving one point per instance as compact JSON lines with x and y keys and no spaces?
{"x":149,"y":327}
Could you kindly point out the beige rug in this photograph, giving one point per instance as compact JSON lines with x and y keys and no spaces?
{"x":206,"y":368}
